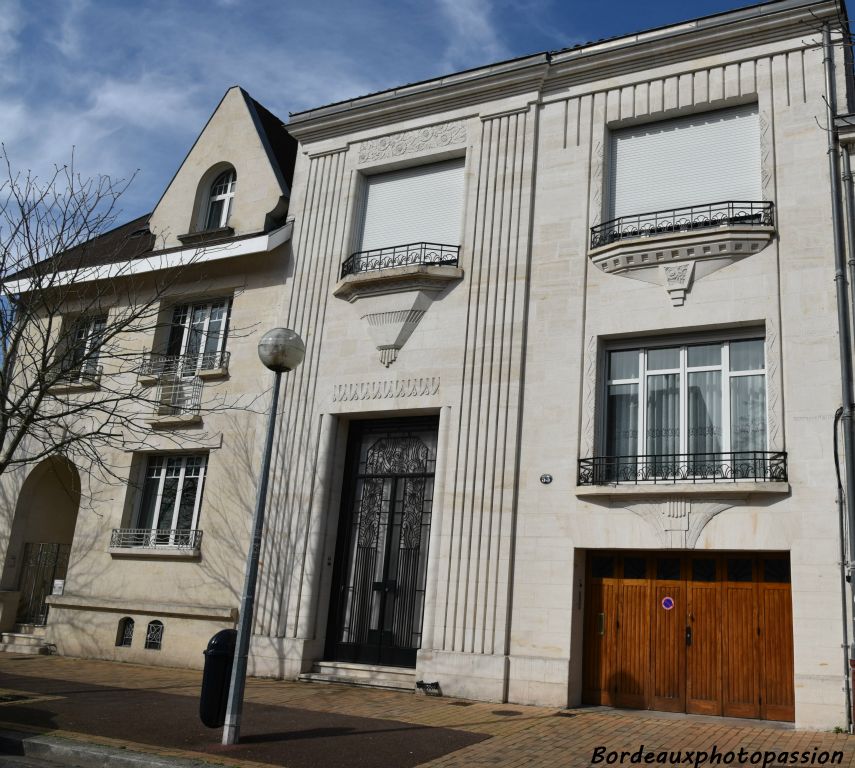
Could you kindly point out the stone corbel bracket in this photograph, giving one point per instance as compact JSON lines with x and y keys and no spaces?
{"x":393,"y":301}
{"x":678,"y":522}
{"x":676,"y":262}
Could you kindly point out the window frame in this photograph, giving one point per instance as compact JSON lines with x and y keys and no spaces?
{"x":172,"y":539}
{"x":122,"y":634}
{"x":226,"y":197}
{"x":85,"y":332}
{"x":644,"y":344}
{"x":367,"y":176}
{"x":189,"y":309}
{"x":153,"y":637}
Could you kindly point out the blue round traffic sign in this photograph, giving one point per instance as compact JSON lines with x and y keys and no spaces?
{"x":667,"y":603}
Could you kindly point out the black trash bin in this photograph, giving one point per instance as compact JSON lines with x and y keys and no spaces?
{"x":219,"y":657}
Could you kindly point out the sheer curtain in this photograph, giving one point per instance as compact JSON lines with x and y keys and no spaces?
{"x":706,"y":427}
{"x":748,"y":423}
{"x":622,"y":431}
{"x":663,"y":421}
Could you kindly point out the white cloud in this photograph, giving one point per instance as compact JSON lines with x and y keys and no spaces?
{"x":473,"y":36}
{"x":11,"y":23}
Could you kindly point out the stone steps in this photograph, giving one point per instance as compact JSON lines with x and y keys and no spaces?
{"x":19,"y":642}
{"x":366,"y":675}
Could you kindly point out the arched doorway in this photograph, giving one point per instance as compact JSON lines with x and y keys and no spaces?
{"x":41,"y":536}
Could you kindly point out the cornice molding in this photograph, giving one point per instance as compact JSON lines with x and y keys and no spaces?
{"x":745,"y":28}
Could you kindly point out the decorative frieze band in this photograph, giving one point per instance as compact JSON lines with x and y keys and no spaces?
{"x":379,"y":390}
{"x":410,"y":142}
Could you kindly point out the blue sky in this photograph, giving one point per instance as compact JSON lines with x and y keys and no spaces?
{"x":130,"y":83}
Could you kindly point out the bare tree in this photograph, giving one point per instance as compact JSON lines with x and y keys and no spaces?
{"x":76,"y":295}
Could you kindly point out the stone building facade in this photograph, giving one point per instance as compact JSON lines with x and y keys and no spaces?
{"x":563,"y":431}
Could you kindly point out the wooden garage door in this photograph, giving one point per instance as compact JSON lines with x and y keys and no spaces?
{"x":700,"y":633}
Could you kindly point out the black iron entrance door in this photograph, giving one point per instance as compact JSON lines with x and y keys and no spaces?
{"x":43,"y":563}
{"x":381,"y":560}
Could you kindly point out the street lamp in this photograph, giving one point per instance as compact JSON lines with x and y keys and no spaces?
{"x":280,"y":349}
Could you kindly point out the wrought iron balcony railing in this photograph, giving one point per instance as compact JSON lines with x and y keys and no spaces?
{"x":428,"y":254}
{"x":178,"y":395}
{"x":157,"y":364}
{"x":154,"y":538}
{"x":757,"y":466}
{"x":689,"y":219}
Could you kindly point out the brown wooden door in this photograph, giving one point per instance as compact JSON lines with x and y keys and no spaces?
{"x":668,"y":638}
{"x":633,"y":635}
{"x":725,"y":647}
{"x":740,"y":634}
{"x":777,"y":697}
{"x":703,"y":654}
{"x":599,"y":634}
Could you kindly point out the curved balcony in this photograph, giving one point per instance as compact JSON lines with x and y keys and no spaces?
{"x":728,"y":213}
{"x":424,"y":254}
{"x":677,"y":247}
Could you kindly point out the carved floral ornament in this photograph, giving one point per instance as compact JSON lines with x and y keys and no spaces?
{"x":411,"y":142}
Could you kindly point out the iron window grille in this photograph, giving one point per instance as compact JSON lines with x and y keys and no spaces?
{"x":425,"y":254}
{"x":727,"y":213}
{"x":733,"y":466}
{"x":125,"y":635}
{"x":154,"y":635}
{"x":178,"y":395}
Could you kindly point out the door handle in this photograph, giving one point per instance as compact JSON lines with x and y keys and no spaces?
{"x":601,"y":623}
{"x":688,"y":635}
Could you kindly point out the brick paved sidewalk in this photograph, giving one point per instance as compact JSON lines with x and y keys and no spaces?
{"x":302,"y":725}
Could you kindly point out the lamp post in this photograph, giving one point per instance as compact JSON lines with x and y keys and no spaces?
{"x":280,"y":349}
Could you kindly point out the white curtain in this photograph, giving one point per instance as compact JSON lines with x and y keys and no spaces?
{"x":748,"y":413}
{"x":622,"y":428}
{"x":663,"y":414}
{"x":705,"y":417}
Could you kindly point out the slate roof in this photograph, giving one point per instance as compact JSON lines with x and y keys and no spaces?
{"x":281,"y":147}
{"x":126,"y":242}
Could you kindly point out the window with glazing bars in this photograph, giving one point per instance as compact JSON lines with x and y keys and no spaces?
{"x":220,"y":200}
{"x":84,"y":345}
{"x":197,"y":334}
{"x":686,"y":399}
{"x":171,"y":497}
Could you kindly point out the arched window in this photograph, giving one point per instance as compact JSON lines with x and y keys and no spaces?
{"x":220,"y":199}
{"x":154,"y":635}
{"x":125,"y":635}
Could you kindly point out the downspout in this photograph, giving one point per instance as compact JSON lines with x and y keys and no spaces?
{"x":845,"y":336}
{"x":841,"y":524}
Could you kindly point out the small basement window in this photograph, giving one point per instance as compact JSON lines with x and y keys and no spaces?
{"x":125,"y":634}
{"x":154,"y":635}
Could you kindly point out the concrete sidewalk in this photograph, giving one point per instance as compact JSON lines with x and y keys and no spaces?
{"x":154,"y":711}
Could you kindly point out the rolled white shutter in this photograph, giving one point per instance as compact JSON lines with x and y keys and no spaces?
{"x":422,"y":204}
{"x":694,"y":160}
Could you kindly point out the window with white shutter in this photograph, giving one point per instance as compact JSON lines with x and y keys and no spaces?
{"x":695,"y":160}
{"x":414,"y":205}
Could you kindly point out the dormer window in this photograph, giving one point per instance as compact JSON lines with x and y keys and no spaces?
{"x":220,"y":200}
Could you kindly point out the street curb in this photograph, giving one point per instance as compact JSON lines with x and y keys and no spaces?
{"x":85,"y":755}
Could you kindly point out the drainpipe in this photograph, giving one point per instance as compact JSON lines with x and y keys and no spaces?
{"x":841,"y":525}
{"x":845,"y":336}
